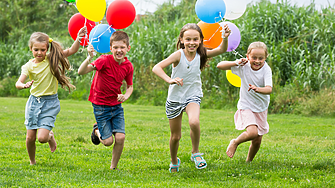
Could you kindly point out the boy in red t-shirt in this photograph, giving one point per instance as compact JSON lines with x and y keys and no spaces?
{"x":105,"y":93}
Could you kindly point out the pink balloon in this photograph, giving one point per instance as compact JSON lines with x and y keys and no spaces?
{"x":76,"y":22}
{"x":120,"y":14}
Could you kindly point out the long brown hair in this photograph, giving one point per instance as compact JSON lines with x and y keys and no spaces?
{"x":202,"y":51}
{"x":57,"y":61}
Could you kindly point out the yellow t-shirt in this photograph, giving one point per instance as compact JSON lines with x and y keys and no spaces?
{"x":44,"y":81}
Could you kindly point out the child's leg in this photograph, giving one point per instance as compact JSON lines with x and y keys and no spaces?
{"x":31,"y":146}
{"x":250,"y":134}
{"x":117,"y":149}
{"x":254,"y":147}
{"x":193,"y":112}
{"x":44,"y":136}
{"x":107,"y":142}
{"x":175,"y":128}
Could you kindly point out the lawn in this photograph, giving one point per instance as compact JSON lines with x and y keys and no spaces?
{"x":297,"y":152}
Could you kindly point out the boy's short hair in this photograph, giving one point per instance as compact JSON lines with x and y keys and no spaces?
{"x":120,"y":36}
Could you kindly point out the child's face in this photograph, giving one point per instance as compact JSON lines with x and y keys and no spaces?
{"x":256,"y":58}
{"x":119,"y":50}
{"x":39,"y":50}
{"x":191,"y":40}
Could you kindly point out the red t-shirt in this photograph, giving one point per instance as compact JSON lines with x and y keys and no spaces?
{"x":108,"y":79}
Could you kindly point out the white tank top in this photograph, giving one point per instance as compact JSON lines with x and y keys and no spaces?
{"x":190,"y":72}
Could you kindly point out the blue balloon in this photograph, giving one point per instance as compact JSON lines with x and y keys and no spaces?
{"x":100,"y":37}
{"x":210,"y":11}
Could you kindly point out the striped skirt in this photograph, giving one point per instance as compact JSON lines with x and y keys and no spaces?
{"x":174,"y":109}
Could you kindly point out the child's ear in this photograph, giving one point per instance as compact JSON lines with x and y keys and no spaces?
{"x":128,"y":48}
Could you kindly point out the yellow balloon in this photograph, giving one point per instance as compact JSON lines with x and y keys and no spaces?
{"x":92,"y":10}
{"x":233,"y":78}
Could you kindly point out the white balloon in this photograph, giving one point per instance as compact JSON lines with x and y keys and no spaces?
{"x":235,"y":9}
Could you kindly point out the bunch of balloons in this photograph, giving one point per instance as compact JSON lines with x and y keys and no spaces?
{"x":119,"y":15}
{"x":211,"y":12}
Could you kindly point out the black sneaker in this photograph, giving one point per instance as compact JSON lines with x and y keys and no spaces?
{"x":95,"y":138}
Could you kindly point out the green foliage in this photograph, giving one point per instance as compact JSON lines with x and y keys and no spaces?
{"x":300,"y":41}
{"x":321,"y":103}
{"x":297,"y":152}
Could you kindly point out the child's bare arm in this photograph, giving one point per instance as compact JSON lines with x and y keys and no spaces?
{"x":129,"y":91}
{"x":224,"y":44}
{"x":20,"y":82}
{"x":226,"y":65}
{"x":86,"y":67}
{"x":76,"y":44}
{"x":158,"y":69}
{"x":264,"y":90}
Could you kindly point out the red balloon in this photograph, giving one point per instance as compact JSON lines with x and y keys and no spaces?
{"x":76,"y":22}
{"x":120,"y":14}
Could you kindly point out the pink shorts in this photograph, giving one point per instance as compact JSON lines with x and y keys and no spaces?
{"x":244,"y":118}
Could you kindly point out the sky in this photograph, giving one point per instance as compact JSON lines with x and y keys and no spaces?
{"x":142,"y":6}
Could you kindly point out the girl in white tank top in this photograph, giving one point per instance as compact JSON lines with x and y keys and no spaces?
{"x":185,"y":87}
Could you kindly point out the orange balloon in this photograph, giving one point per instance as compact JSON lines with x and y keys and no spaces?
{"x":212,"y":34}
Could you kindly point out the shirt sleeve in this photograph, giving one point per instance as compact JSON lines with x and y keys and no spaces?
{"x":268,"y":77}
{"x":236,"y":70}
{"x":99,"y":63}
{"x":24,"y":69}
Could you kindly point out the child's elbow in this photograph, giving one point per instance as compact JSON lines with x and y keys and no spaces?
{"x":269,"y":89}
{"x":154,"y":68}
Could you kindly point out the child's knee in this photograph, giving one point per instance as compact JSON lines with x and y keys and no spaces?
{"x":194,"y":123}
{"x":43,"y":138}
{"x":257,"y":141}
{"x":119,"y":138}
{"x":175,"y":137}
{"x":30,"y":138}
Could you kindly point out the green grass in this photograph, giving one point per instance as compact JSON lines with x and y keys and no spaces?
{"x":297,"y":152}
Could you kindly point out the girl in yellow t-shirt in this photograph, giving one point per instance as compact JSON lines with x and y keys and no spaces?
{"x":45,"y":72}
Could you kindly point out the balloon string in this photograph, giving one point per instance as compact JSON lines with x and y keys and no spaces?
{"x":236,"y":53}
{"x":213,"y":35}
{"x":218,"y":17}
{"x":217,"y":29}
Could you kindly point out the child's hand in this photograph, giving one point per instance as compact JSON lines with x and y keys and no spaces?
{"x":253,"y":87}
{"x":178,"y":81}
{"x":242,"y":61}
{"x":121,"y":98}
{"x":90,"y":50}
{"x":28,"y":84}
{"x":225,"y":31}
{"x":82,"y":32}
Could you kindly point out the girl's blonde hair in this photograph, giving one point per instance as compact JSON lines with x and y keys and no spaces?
{"x":57,"y":61}
{"x":258,"y":45}
{"x":202,"y":51}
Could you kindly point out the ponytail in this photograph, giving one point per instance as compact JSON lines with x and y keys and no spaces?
{"x":58,"y":64}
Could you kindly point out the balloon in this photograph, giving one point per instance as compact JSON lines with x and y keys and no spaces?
{"x":71,"y":1}
{"x":212,"y":34}
{"x":92,"y":10}
{"x":76,"y":22}
{"x":120,"y":14}
{"x":234,"y":38}
{"x":235,"y":9}
{"x":100,"y":38}
{"x":210,"y":11}
{"x":233,"y":79}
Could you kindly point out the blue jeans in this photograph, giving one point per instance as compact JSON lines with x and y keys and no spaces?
{"x":110,"y":119}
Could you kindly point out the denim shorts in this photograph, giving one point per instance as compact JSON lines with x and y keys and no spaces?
{"x":110,"y":119}
{"x":41,"y":112}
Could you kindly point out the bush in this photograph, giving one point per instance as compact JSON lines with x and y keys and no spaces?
{"x":321,"y":103}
